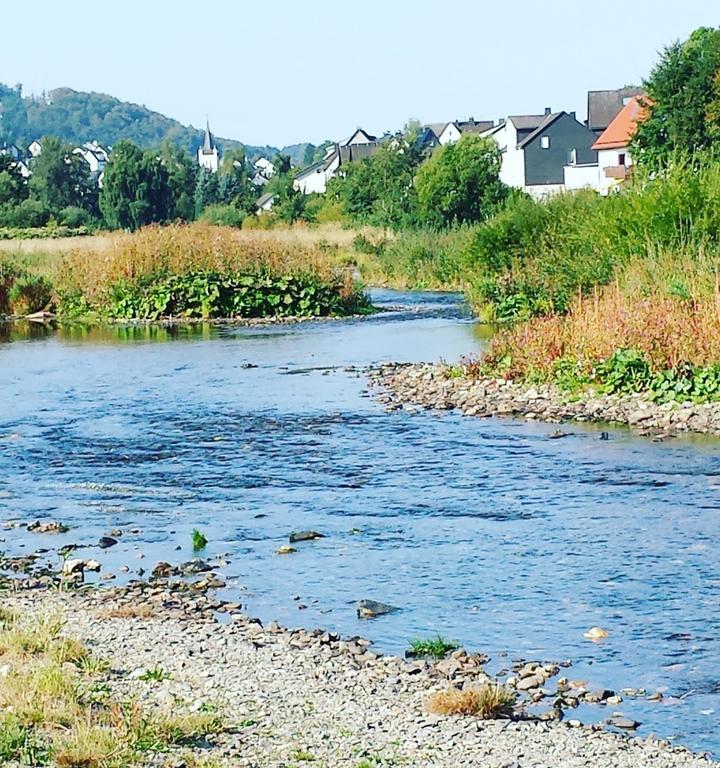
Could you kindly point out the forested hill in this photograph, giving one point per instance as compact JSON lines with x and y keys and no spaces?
{"x":77,"y":117}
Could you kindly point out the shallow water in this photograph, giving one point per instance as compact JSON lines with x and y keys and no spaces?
{"x":485,"y":531}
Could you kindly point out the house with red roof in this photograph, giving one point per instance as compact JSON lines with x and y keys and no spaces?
{"x":613,"y":145}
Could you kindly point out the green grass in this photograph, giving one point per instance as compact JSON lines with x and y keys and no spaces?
{"x":433,"y":648}
{"x":155,"y":675}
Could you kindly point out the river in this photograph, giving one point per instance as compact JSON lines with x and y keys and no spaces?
{"x":483,"y":530}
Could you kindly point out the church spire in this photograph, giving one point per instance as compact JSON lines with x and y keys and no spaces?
{"x":209,"y":144}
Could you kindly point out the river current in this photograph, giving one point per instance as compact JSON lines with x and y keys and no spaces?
{"x":483,"y":530}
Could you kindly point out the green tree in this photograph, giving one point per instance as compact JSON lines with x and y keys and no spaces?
{"x":282,"y":164}
{"x":460,"y":183}
{"x":683,"y":100}
{"x":13,"y":186}
{"x":207,"y":190}
{"x":182,"y":178}
{"x":234,"y":186}
{"x":289,"y":204}
{"x":61,"y":179}
{"x":135,"y":188}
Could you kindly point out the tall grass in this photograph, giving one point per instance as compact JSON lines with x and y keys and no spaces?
{"x":202,"y":270}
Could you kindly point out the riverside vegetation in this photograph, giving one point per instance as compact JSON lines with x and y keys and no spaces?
{"x":197,"y":271}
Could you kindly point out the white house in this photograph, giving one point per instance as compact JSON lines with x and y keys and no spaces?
{"x":265,"y":167}
{"x":314,"y":178}
{"x":453,"y":132}
{"x":536,"y":149}
{"x":94,"y":155}
{"x":35,"y":149}
{"x":613,"y":145}
{"x":208,"y":155}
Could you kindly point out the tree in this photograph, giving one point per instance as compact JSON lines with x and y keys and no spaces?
{"x":61,"y":179}
{"x":135,"y":188}
{"x":379,"y":189}
{"x":182,"y":178}
{"x":289,"y":203}
{"x":460,"y":183}
{"x":683,"y":100}
{"x":13,"y":186}
{"x":282,"y":164}
{"x":234,"y":186}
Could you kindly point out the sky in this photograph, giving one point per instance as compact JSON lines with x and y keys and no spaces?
{"x":284,"y":71}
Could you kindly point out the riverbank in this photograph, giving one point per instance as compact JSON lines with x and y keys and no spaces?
{"x":289,"y":697}
{"x":436,"y":387}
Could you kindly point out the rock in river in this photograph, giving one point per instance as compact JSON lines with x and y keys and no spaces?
{"x":50,"y":527}
{"x":297,"y":536}
{"x":369,"y":609}
{"x":106,"y":542}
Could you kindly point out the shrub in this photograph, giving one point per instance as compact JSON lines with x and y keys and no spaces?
{"x":489,"y":702}
{"x":74,"y":217}
{"x":29,"y":213}
{"x":28,"y":294}
{"x":224,"y":215}
{"x":433,"y":648}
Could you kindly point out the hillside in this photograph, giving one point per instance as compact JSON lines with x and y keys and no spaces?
{"x":76,"y":117}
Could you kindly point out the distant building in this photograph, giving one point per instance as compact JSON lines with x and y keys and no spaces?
{"x":11,"y":150}
{"x":314,"y":178}
{"x":35,"y":149}
{"x":536,"y":149}
{"x":453,"y":132}
{"x":208,"y":155}
{"x":613,"y":146}
{"x":265,"y":203}
{"x":263,"y":171}
{"x":604,"y":106}
{"x":94,"y":155}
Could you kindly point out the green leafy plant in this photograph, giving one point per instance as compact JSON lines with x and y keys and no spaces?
{"x":154,"y":675}
{"x":199,"y":540}
{"x":433,"y":648}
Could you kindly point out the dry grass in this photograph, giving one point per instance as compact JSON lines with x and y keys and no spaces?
{"x":56,"y":707}
{"x":489,"y":702}
{"x":181,"y":249}
{"x":669,"y":330}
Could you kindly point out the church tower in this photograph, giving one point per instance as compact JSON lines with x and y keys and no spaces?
{"x":208,"y":156}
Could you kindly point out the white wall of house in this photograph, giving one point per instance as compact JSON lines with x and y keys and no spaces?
{"x":450,"y":134}
{"x":612,"y":158}
{"x":359,"y":137}
{"x":35,"y":149}
{"x":512,"y":171}
{"x":543,"y":191}
{"x":582,"y":177}
{"x":312,"y":182}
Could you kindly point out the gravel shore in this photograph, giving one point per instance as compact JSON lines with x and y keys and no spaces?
{"x":297,"y":697}
{"x":432,"y":387}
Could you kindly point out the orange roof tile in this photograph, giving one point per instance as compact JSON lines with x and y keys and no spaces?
{"x":619,"y":133}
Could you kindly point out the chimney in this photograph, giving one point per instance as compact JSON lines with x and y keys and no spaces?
{"x":548,"y":111}
{"x":573,"y":115}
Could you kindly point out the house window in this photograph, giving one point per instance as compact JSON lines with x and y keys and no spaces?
{"x":545,"y":142}
{"x":621,"y":159}
{"x":573,"y":157}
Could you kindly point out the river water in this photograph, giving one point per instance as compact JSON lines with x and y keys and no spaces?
{"x":483,"y":530}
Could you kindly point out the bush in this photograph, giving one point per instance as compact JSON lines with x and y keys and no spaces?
{"x":75,"y":217}
{"x":28,"y":294}
{"x":29,"y":213}
{"x":224,"y":216}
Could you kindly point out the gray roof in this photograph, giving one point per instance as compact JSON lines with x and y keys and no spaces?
{"x":528,"y":122}
{"x":604,"y":106}
{"x":436,"y":128}
{"x":263,"y":199}
{"x":547,"y":121}
{"x":356,"y":152}
{"x":473,"y":126}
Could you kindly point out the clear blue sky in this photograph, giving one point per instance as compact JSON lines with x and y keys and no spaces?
{"x":282,"y":71}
